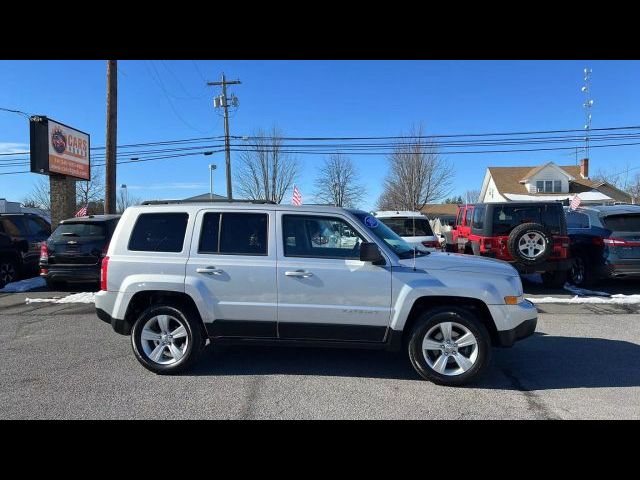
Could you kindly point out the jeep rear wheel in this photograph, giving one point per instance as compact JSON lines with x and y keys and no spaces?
{"x":166,"y":340}
{"x":449,"y":346}
{"x":530,"y":244}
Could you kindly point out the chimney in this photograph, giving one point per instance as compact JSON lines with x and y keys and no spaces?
{"x":584,"y":168}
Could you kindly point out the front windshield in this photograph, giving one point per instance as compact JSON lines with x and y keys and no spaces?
{"x":401,"y":248}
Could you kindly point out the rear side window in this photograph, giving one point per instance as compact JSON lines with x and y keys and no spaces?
{"x":577,"y":220}
{"x":622,"y":223}
{"x":93,"y":230}
{"x":14,"y":227}
{"x":467,"y":217}
{"x":159,"y":232}
{"x":478,"y":218}
{"x":234,"y":233}
{"x":409,"y":226}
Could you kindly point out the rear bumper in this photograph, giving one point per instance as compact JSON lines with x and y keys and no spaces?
{"x":72,"y":273}
{"x":119,"y":326}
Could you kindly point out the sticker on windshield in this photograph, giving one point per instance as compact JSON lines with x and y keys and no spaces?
{"x":370,"y":221}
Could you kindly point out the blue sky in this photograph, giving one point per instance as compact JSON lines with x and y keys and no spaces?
{"x":317,"y":98}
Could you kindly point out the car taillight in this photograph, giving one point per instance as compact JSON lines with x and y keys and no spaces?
{"x":44,"y":252}
{"x":103,"y":273}
{"x":618,"y":242}
{"x":431,"y":243}
{"x":486,"y":245}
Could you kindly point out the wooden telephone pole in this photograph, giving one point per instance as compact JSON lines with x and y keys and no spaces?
{"x":225,"y":104}
{"x":112,"y":126}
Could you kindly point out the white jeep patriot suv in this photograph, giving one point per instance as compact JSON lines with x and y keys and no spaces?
{"x":178,"y":273}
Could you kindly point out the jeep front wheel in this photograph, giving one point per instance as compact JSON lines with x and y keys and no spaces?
{"x":166,"y":340}
{"x":449,"y":346}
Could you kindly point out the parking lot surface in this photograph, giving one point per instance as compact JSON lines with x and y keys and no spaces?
{"x":61,"y":362}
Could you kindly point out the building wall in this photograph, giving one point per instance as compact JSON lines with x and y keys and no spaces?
{"x":548,"y":174}
{"x":492,"y":194}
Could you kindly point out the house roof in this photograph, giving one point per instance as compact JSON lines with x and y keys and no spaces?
{"x":440,"y":209}
{"x":507,"y":179}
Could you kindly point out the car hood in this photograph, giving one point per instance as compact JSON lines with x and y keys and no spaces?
{"x":461,"y":263}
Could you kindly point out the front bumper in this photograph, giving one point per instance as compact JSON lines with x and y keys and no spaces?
{"x":514,"y":322}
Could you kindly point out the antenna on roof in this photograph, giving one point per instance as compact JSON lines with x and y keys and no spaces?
{"x":586,"y":89}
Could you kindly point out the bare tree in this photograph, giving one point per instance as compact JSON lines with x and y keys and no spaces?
{"x":265,"y":171}
{"x":91,"y":191}
{"x":417,"y":174}
{"x":338,"y":182}
{"x":39,"y":197}
{"x":471,"y":196}
{"x":124,"y":200}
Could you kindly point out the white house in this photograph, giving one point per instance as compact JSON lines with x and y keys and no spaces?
{"x":548,"y":182}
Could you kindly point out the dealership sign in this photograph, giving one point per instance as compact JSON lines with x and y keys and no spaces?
{"x":59,"y":149}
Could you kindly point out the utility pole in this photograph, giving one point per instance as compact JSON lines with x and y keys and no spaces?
{"x":222,"y":101}
{"x":112,"y":126}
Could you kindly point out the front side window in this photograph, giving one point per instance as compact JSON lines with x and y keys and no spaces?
{"x":467,"y":217}
{"x":159,"y":232}
{"x":394,"y":241}
{"x":230,"y":233}
{"x":478,"y":218}
{"x":319,"y":237}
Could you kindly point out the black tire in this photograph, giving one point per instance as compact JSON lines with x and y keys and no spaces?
{"x":53,"y":284}
{"x":8,"y":271}
{"x":432,"y":318}
{"x":450,"y":248}
{"x":581,"y":273}
{"x":525,"y":229}
{"x":194,"y":339}
{"x":555,"y":279}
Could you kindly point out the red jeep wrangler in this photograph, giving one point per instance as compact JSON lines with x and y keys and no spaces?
{"x":532,"y":236}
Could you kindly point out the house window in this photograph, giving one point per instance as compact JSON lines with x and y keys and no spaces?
{"x":539,"y":186}
{"x":557,"y":186}
{"x":548,"y":186}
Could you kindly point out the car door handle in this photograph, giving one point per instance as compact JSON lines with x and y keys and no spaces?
{"x":298,"y":273}
{"x":210,"y":271}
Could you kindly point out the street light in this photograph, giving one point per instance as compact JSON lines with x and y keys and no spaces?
{"x":126,"y":195}
{"x":212,"y":167}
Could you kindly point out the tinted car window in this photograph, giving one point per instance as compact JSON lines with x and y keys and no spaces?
{"x":209,"y":233}
{"x":93,"y":230}
{"x":467,"y":217}
{"x":324,"y":237}
{"x":14,"y":226}
{"x":243,"y":233}
{"x":622,"y":223}
{"x":409,"y":226}
{"x":159,"y":232}
{"x":577,"y":220}
{"x":478,"y":218}
{"x":507,"y":217}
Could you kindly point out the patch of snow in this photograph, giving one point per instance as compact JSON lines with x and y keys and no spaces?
{"x":24,"y":285}
{"x":82,"y":297}
{"x":583,"y":292}
{"x":617,"y":299}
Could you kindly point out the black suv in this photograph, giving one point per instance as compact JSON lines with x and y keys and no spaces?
{"x":605,"y":242}
{"x":532,"y":236}
{"x":75,"y":251}
{"x":20,"y":237}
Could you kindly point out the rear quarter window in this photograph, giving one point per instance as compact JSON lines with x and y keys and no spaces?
{"x":159,"y":232}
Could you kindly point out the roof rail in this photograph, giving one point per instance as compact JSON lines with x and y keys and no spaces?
{"x":207,"y":200}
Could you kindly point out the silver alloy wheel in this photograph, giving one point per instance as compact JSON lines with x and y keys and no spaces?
{"x":450,"y":348}
{"x":532,"y":244}
{"x":7,"y":273}
{"x":164,"y":339}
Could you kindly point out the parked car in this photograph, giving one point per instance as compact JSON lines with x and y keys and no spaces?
{"x":20,"y":237}
{"x":413,"y":227}
{"x":75,"y":250}
{"x":605,"y":242}
{"x":178,"y":273}
{"x":532,"y":236}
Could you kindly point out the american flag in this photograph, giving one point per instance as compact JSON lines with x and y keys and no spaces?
{"x":296,"y":198}
{"x":82,"y":212}
{"x":575,"y":202}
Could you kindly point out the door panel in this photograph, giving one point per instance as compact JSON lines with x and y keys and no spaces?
{"x":320,"y":297}
{"x":239,"y":288}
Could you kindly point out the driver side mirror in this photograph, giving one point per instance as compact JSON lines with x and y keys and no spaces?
{"x":369,"y":252}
